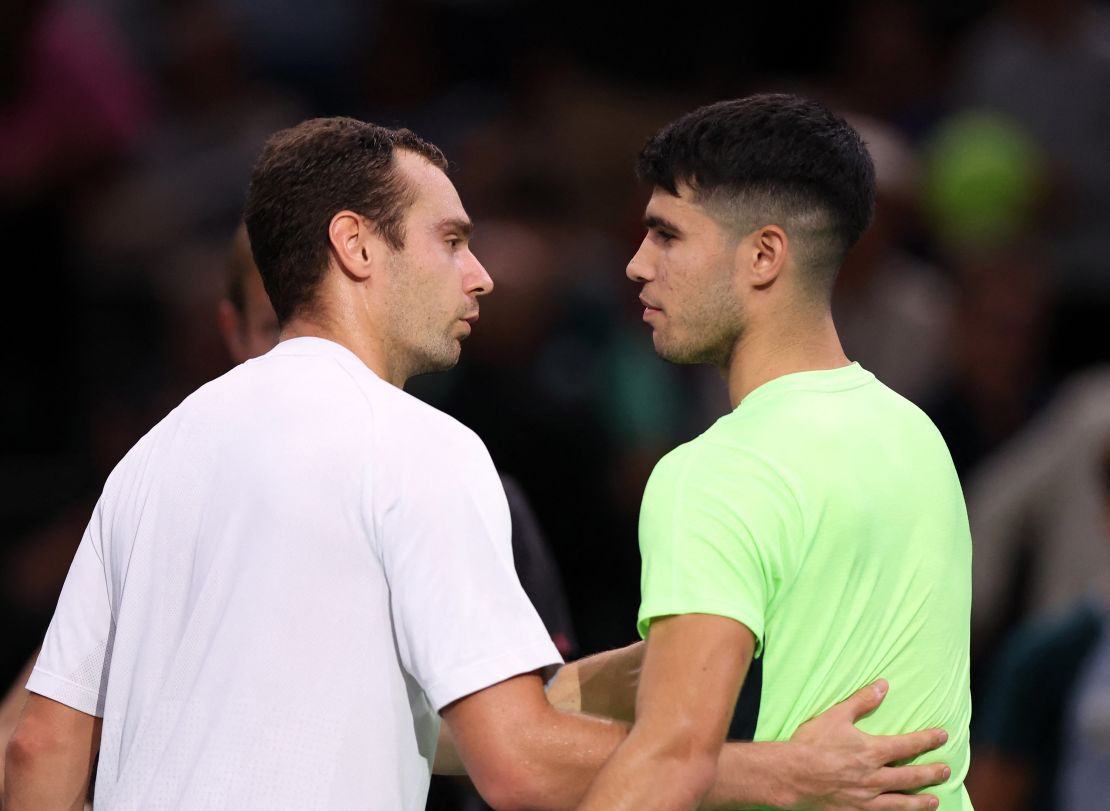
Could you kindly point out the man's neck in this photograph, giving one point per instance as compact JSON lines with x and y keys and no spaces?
{"x":370,"y":349}
{"x":794,"y":345}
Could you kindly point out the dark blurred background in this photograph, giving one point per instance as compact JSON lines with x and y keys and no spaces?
{"x":982,"y":292}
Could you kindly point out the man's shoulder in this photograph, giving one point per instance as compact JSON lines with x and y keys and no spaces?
{"x":736,"y":441}
{"x":712,"y":463}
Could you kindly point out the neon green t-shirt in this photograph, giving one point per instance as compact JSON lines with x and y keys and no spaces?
{"x":824,"y":514}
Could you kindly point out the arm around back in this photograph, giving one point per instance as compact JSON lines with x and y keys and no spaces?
{"x":523,"y":753}
{"x":693,"y":667}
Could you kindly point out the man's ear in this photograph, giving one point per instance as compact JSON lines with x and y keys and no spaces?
{"x":230,"y":323}
{"x":761,"y":255}
{"x":354,"y":242}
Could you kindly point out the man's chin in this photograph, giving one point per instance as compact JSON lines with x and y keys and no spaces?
{"x":441,"y":362}
{"x":682,"y":355}
{"x":668,"y":351}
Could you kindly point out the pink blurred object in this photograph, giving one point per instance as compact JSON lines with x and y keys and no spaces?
{"x":82,"y":101}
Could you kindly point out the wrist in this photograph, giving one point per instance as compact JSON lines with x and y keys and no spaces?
{"x":760,"y":775}
{"x":796,"y":760}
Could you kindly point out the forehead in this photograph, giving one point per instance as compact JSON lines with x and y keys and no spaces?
{"x":434,"y":195}
{"x":679,"y":210}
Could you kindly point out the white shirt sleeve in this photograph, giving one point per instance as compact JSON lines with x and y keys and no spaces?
{"x":461,"y":618}
{"x":73,"y":665}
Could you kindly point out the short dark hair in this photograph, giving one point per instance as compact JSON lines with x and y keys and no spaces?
{"x":304,"y":176}
{"x":773,"y":155}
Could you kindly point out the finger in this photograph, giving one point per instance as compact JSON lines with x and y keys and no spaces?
{"x":908,"y":778}
{"x":894,"y":748}
{"x":903,"y":802}
{"x":864,"y":700}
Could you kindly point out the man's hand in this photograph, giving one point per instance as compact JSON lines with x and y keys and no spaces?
{"x":844,"y":768}
{"x":830,"y":765}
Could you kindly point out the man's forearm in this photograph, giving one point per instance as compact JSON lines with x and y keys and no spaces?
{"x":603,"y":684}
{"x":547,"y":764}
{"x":649,"y":772}
{"x":10,"y":709}
{"x":50,"y":757}
{"x":41,"y":780}
{"x":830,"y":764}
{"x":755,"y":775}
{"x":749,"y":775}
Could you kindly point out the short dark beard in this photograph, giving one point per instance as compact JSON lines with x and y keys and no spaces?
{"x":717,"y":355}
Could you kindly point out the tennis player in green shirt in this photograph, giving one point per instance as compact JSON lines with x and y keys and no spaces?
{"x":820,"y":525}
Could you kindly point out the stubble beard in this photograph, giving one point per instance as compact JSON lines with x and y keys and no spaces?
{"x":428,"y":344}
{"x":440,"y":357}
{"x":711,"y":337}
{"x":717,"y":353}
{"x":431,"y":350}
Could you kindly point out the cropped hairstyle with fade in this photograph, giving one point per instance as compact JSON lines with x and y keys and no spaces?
{"x":304,"y":177}
{"x":772,"y":159}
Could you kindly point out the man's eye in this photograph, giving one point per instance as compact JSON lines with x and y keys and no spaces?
{"x":663,"y":236}
{"x":454,"y":242}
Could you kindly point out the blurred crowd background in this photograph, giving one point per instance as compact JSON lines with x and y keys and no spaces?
{"x":981,"y":292}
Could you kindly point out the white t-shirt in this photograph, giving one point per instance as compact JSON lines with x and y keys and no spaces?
{"x":281,"y":585}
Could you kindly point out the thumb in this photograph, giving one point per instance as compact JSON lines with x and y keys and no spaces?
{"x":866,"y":699}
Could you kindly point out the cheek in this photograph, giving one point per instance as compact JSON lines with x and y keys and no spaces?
{"x":677,"y":269}
{"x":668,"y":266}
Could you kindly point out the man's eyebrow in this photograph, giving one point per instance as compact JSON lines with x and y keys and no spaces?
{"x":656,"y":223}
{"x":462,"y":226}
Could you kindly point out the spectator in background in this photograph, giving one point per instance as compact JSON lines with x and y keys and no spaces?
{"x":71,"y":101}
{"x":984,"y":189}
{"x":1041,"y":741}
{"x":888,"y":63}
{"x":1085,"y":766}
{"x":72,"y":105}
{"x":1037,"y":505}
{"x":1046,"y":66}
{"x":997,"y":346}
{"x":1085,"y":777}
{"x":893,"y":311}
{"x":182,"y":185}
{"x":248,"y":324}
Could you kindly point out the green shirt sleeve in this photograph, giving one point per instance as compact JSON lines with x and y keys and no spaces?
{"x":718,"y":526}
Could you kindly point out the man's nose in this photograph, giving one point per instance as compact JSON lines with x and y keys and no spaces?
{"x":478,"y":281}
{"x":639,"y":269}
